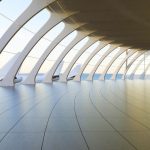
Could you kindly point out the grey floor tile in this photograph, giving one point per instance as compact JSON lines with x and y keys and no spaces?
{"x":22,"y":141}
{"x":126,"y":124}
{"x":63,"y":111}
{"x":62,"y":124}
{"x":141,"y":139}
{"x":106,"y":141}
{"x":30,"y":125}
{"x":2,"y":134}
{"x":64,"y":141}
{"x":6,"y":124}
{"x":94,"y":124}
{"x":63,"y":132}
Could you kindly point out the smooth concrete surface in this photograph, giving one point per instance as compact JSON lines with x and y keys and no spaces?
{"x":98,"y":115}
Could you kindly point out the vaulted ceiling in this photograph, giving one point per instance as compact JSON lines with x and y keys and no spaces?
{"x":123,"y":22}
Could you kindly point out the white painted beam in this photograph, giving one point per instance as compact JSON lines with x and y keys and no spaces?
{"x":4,"y":70}
{"x":53,"y":20}
{"x":130,"y":64}
{"x":35,"y":7}
{"x":146,"y":69}
{"x":63,"y":77}
{"x":101,"y":46}
{"x":122,"y":50}
{"x":121,"y":64}
{"x":78,"y":38}
{"x":67,"y":30}
{"x":135,"y":69}
{"x":91,"y":74}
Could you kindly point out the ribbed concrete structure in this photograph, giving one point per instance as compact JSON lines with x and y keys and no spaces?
{"x":119,"y":24}
{"x":51,"y":54}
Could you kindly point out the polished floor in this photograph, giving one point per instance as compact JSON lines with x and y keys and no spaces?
{"x":98,"y":115}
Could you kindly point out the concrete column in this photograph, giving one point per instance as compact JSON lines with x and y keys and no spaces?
{"x":53,"y":20}
{"x":78,"y":38}
{"x":131,"y":63}
{"x":8,"y":65}
{"x":135,"y":69}
{"x":63,"y":77}
{"x":101,"y":46}
{"x":91,"y":74}
{"x":122,"y":50}
{"x":35,"y":7}
{"x":67,"y":30}
{"x":121,"y":64}
{"x":146,"y":69}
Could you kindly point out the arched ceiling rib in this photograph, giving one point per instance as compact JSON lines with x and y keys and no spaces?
{"x":123,"y":22}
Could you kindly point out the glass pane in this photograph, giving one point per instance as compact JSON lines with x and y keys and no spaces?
{"x":9,"y":9}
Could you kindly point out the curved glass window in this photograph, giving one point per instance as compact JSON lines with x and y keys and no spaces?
{"x":105,"y":62}
{"x":73,"y":52}
{"x":41,"y":46}
{"x":9,"y":9}
{"x":87,"y":53}
{"x":61,"y":46}
{"x":95,"y":59}
{"x":4,"y":25}
{"x":116,"y":63}
{"x":55,"y":31}
{"x":134,"y":65}
{"x":57,"y":51}
{"x":25,"y":34}
{"x":9,"y":12}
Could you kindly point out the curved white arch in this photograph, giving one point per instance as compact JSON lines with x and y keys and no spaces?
{"x":63,"y":77}
{"x":102,"y":76}
{"x":53,"y":20}
{"x":146,"y":69}
{"x":67,"y":30}
{"x":91,"y":74}
{"x":101,"y":46}
{"x":121,"y":64}
{"x":135,"y":69}
{"x":130,"y":64}
{"x":78,"y":38}
{"x":35,"y":7}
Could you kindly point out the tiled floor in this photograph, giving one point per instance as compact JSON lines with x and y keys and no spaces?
{"x":110,"y":115}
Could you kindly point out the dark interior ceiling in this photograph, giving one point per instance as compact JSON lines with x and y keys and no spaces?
{"x":124,"y":22}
